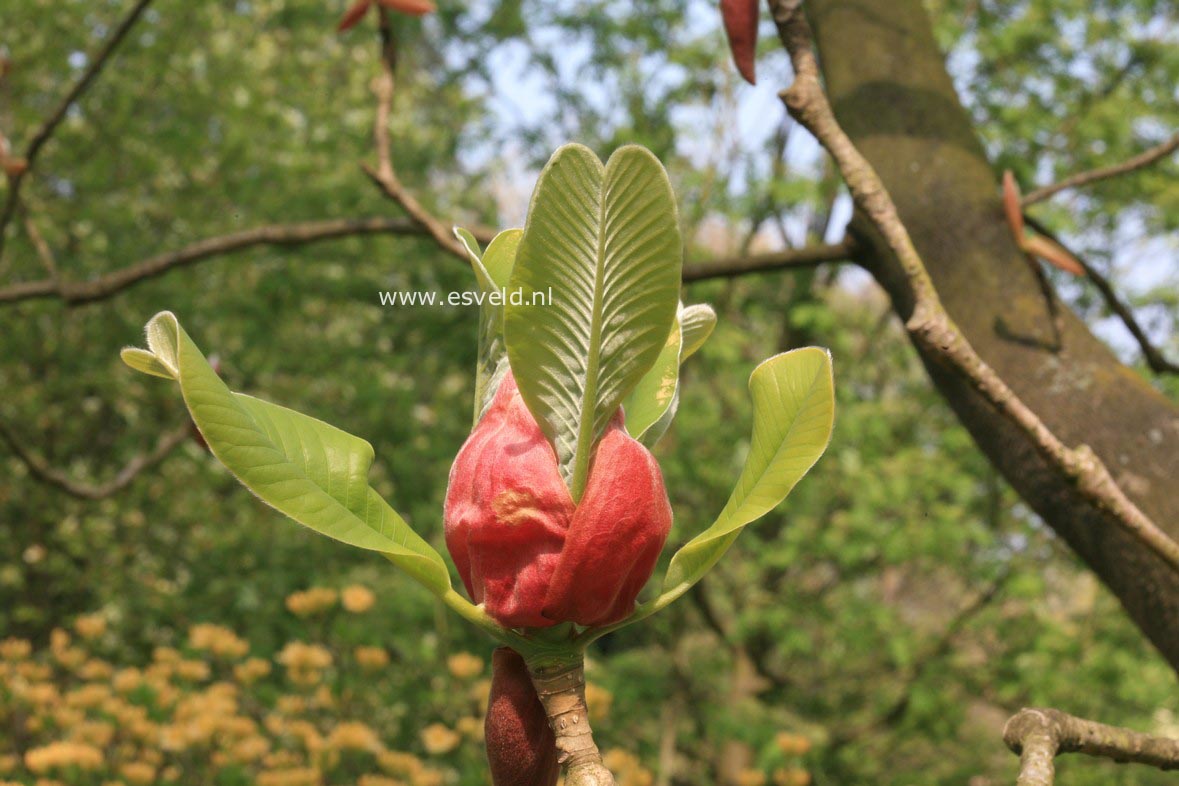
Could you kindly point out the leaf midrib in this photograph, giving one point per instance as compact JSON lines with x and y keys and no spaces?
{"x":588,"y":414}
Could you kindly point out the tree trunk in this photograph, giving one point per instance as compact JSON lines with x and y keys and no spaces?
{"x":890,"y":90}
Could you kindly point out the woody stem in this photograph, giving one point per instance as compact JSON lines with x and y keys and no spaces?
{"x":560,"y":684}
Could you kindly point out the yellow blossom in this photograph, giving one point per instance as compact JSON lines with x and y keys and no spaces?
{"x":438,"y":739}
{"x":251,"y":670}
{"x":378,"y":780}
{"x":127,"y":680}
{"x":310,"y":602}
{"x":166,"y":655}
{"x":353,"y":735}
{"x":292,"y":776}
{"x":464,"y":665}
{"x":58,"y":755}
{"x":598,"y":701}
{"x":371,"y":658}
{"x":96,"y":669}
{"x":192,"y":670}
{"x":357,"y":599}
{"x":217,"y":640}
{"x":470,"y":727}
{"x":90,"y":626}
{"x":791,"y":777}
{"x":139,"y":773}
{"x":15,"y":649}
{"x":751,"y":778}
{"x":792,"y":744}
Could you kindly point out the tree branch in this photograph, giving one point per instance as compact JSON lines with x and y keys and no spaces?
{"x":1143,"y":159}
{"x":788,"y":259}
{"x":930,"y":325}
{"x":1153,"y":355}
{"x":384,"y":176}
{"x":1039,"y":735}
{"x":110,"y":284}
{"x":43,"y":134}
{"x":40,"y":469}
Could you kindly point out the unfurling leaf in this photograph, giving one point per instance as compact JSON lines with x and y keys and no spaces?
{"x":740,"y":18}
{"x":312,"y":472}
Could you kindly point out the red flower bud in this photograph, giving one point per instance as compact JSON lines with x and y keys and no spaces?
{"x":521,"y":749}
{"x":521,"y":545}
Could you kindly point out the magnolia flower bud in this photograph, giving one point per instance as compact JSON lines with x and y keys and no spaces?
{"x":524,"y":550}
{"x":521,"y":748}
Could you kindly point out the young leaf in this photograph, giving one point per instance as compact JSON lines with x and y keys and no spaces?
{"x":492,"y":272}
{"x":793,"y":414}
{"x":605,"y":242}
{"x":312,"y":472}
{"x":697,"y":323}
{"x":656,"y":391}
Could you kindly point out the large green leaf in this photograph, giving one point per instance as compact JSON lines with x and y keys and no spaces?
{"x":312,"y":472}
{"x":605,"y":242}
{"x":793,"y":414}
{"x":492,"y":272}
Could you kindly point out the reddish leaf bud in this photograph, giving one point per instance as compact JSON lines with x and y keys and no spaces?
{"x":521,"y":545}
{"x":740,"y":18}
{"x":521,"y":749}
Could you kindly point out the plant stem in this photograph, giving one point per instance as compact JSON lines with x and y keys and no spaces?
{"x":560,"y":684}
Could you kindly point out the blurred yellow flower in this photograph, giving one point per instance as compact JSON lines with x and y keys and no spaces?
{"x":470,"y":727}
{"x":57,"y":755}
{"x":251,"y":670}
{"x":312,"y":601}
{"x":378,"y":780}
{"x":139,"y":773}
{"x":627,"y":768}
{"x":792,"y":744}
{"x":791,"y":777}
{"x":353,"y":735}
{"x":464,"y":665}
{"x":371,"y":658}
{"x":294,"y":776}
{"x":166,"y":655}
{"x":90,"y":626}
{"x":95,"y":669}
{"x":751,"y":778}
{"x":598,"y":702}
{"x":15,"y":649}
{"x":192,"y":670}
{"x":357,"y":599}
{"x":217,"y":640}
{"x":438,"y":739}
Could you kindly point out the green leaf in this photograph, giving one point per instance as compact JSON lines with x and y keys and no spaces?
{"x":492,"y":272}
{"x":697,"y":323}
{"x":312,"y":472}
{"x":605,"y":242}
{"x":793,"y":414}
{"x":656,"y":391}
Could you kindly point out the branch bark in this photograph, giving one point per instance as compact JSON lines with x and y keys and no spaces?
{"x":893,"y":97}
{"x":930,"y":324}
{"x":43,"y":471}
{"x":113,"y":283}
{"x":1143,"y":159}
{"x":1038,"y":735}
{"x":50,"y":124}
{"x":788,"y":259}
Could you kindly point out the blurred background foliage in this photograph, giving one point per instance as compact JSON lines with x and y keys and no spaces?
{"x":879,"y":627}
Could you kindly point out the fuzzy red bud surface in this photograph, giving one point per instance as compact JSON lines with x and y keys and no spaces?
{"x":524,"y":549}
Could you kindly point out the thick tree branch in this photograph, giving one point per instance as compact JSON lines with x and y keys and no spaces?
{"x":1039,"y":735}
{"x":788,"y":259}
{"x":115,"y":282}
{"x":1143,"y":159}
{"x":1153,"y":355}
{"x":43,"y":134}
{"x":929,"y":324}
{"x":41,"y":469}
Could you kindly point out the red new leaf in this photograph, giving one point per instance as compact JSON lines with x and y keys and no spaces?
{"x":740,"y":18}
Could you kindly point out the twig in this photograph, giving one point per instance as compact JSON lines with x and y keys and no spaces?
{"x":791,"y":258}
{"x":1038,"y":735}
{"x":116,"y":281}
{"x":43,"y":250}
{"x":40,"y":469}
{"x":1143,"y":159}
{"x":929,"y":324}
{"x":1153,"y":355}
{"x":384,"y":175}
{"x":42,"y":134}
